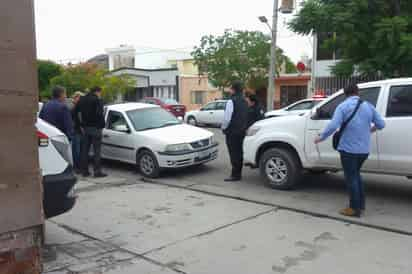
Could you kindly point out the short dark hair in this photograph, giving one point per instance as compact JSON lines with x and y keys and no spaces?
{"x":96,"y":89}
{"x":237,"y":86}
{"x":351,"y":89}
{"x":252,"y":97}
{"x":58,"y":91}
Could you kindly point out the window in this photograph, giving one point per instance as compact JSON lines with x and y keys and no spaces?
{"x":210,"y":106}
{"x":167,"y":101}
{"x":198,"y":97}
{"x":370,"y":95}
{"x":151,"y":118}
{"x":221,"y":105}
{"x":400,"y":101}
{"x":301,"y":106}
{"x":116,"y":119}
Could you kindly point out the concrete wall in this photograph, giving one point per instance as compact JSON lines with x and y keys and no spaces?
{"x":21,"y":215}
{"x":322,"y":68}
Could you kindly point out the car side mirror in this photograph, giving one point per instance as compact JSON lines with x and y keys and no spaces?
{"x":315,"y":113}
{"x":122,"y":128}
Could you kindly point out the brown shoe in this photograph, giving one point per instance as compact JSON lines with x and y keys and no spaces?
{"x":350,"y":212}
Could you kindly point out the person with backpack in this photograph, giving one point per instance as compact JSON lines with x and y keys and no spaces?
{"x":352,"y":125}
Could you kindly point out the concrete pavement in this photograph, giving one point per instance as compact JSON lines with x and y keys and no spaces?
{"x":147,"y":228}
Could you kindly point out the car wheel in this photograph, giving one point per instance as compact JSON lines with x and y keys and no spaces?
{"x":280,"y":168}
{"x":192,"y":121}
{"x":147,"y":164}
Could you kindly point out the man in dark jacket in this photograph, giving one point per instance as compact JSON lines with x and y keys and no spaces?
{"x":76,"y":142}
{"x":234,"y":126}
{"x":56,"y":113}
{"x":89,"y":113}
{"x":255,"y":112}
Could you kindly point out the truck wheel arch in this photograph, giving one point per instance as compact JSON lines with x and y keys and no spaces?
{"x":276,"y":144}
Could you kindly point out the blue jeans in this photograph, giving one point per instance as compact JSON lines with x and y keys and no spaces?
{"x":352,"y":164}
{"x":76,"y":146}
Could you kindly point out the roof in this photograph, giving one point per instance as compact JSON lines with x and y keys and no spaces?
{"x":389,"y":81}
{"x":130,"y":106}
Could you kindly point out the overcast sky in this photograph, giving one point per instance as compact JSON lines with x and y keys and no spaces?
{"x":71,"y":30}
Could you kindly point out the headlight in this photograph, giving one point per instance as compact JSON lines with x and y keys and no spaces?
{"x":213,"y":140}
{"x":252,"y":131}
{"x":178,"y":148}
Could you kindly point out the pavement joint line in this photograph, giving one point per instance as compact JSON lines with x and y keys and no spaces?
{"x":118,"y":248}
{"x":346,"y":221}
{"x":212,"y":230}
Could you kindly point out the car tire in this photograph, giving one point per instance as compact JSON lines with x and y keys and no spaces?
{"x":281,"y":168}
{"x":191,"y":120}
{"x":147,"y":164}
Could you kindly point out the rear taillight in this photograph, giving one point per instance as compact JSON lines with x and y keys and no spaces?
{"x":43,"y":139}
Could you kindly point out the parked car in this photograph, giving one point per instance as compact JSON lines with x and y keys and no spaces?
{"x":153,"y":139}
{"x":283,"y":148}
{"x":171,"y":105}
{"x":297,"y":108}
{"x":55,"y":160}
{"x":210,"y":114}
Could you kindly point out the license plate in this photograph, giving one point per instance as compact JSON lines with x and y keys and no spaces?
{"x":203,"y":154}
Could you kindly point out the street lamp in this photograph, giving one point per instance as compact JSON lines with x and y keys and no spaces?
{"x":272,"y":68}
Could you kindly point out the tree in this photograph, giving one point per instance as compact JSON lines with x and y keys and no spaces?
{"x":240,"y":55}
{"x":82,"y":77}
{"x":46,"y":71}
{"x":373,"y":36}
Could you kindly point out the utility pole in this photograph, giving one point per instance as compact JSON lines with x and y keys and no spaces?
{"x":272,"y":68}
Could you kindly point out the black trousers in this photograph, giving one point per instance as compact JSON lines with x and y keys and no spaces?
{"x":235,"y":146}
{"x":91,"y":136}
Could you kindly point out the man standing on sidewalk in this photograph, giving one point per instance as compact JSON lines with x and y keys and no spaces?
{"x":90,"y":114}
{"x":354,"y":144}
{"x":234,"y":126}
{"x":56,"y":112}
{"x":76,"y":142}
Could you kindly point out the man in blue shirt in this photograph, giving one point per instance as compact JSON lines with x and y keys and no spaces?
{"x":354,"y":145}
{"x":56,"y":112}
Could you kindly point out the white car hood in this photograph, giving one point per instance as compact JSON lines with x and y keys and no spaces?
{"x":280,"y":121}
{"x":178,"y":134}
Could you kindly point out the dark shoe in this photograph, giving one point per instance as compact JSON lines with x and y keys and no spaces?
{"x":100,"y":175}
{"x":85,"y":174}
{"x":350,"y":212}
{"x":232,"y":179}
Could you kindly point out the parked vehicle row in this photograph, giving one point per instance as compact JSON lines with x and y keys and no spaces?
{"x":283,"y":148}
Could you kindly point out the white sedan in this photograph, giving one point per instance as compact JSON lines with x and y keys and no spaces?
{"x":300,"y":107}
{"x":210,"y":114}
{"x":154,"y":139}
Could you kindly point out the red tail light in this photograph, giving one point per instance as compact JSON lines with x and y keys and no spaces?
{"x":43,"y":139}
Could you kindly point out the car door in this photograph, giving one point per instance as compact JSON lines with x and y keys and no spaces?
{"x":206,"y":113}
{"x":395,"y":145}
{"x":118,"y":141}
{"x":219,"y":113}
{"x":323,"y":154}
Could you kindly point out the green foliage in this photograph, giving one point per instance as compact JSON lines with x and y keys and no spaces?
{"x":238,"y":55}
{"x":85,"y":76}
{"x":46,"y":71}
{"x":374,"y":36}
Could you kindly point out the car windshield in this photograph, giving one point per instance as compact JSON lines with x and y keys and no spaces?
{"x":167,"y":101}
{"x":151,"y":118}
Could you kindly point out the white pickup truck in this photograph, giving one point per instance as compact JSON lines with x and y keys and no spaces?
{"x":283,"y":148}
